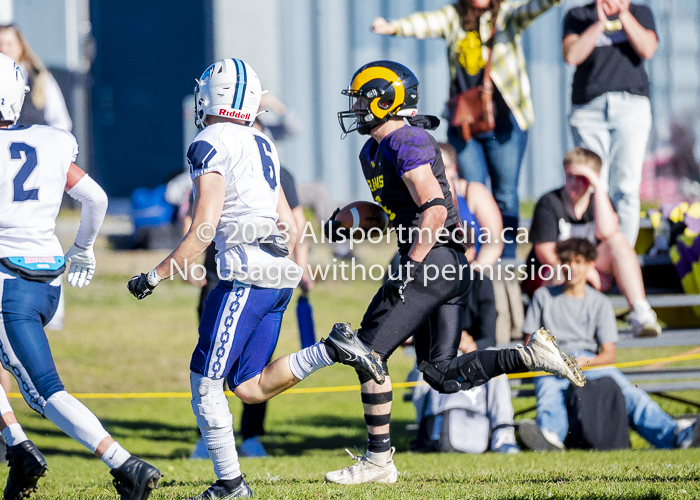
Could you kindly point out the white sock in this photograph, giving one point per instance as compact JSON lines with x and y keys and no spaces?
{"x":73,"y":418}
{"x":641,"y":306}
{"x":115,"y":456}
{"x":221,"y":446}
{"x":303,"y":363}
{"x":13,"y":434}
{"x":379,"y":458}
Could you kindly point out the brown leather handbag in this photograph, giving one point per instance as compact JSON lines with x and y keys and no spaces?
{"x":472,"y":110}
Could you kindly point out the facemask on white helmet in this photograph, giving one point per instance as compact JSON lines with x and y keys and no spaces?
{"x":12,"y":90}
{"x":228,"y":88}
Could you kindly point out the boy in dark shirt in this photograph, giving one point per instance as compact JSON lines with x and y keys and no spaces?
{"x":583,"y":209}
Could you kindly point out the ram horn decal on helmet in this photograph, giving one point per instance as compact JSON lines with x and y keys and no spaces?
{"x":377,"y":92}
{"x":230,"y":88}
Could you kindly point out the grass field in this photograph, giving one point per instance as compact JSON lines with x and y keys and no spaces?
{"x":112,"y":343}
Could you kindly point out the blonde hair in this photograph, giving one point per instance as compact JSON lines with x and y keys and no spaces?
{"x":583,"y":156}
{"x":36,"y":69}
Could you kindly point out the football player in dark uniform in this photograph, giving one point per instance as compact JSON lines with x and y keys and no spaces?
{"x":424,"y":298}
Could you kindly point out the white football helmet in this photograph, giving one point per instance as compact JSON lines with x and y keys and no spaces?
{"x":229,"y":88}
{"x":12,"y":89}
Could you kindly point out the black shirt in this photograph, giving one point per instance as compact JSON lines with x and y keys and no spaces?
{"x":289,"y":188}
{"x":613,"y":66}
{"x":552,"y":221}
{"x":384,"y":165}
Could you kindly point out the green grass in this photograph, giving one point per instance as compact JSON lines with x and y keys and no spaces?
{"x":113,"y":343}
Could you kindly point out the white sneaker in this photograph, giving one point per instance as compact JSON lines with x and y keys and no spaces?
{"x":365,"y":471}
{"x":543,"y":353}
{"x":644,"y":324}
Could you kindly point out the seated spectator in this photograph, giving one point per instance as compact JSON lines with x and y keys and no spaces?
{"x":482,"y":220}
{"x":582,"y":208}
{"x":478,"y":210}
{"x":481,"y":418}
{"x":583,"y":321}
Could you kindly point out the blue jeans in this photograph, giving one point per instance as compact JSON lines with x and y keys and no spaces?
{"x":498,"y":156}
{"x":645,"y":416}
{"x":616,"y":126}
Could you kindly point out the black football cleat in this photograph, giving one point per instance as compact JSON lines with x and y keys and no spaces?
{"x":221,"y":492}
{"x":135,"y":479}
{"x":352,"y":352}
{"x":27,"y":465}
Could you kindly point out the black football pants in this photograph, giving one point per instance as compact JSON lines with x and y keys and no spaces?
{"x":431,"y":314}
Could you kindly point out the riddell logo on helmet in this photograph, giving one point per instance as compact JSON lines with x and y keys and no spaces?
{"x":234,"y":114}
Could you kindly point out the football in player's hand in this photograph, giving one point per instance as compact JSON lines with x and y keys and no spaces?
{"x":362,"y":215}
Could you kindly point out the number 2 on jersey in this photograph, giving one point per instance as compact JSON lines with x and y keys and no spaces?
{"x":267,"y":163}
{"x":21,"y":194}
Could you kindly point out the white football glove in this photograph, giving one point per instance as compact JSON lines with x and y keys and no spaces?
{"x":82,"y":266}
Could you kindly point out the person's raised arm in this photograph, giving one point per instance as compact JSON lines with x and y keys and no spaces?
{"x":522,"y":16}
{"x":576,"y":48}
{"x":434,"y":24}
{"x":644,"y":41}
{"x":424,"y":187}
{"x":607,"y":221}
{"x":93,"y":208}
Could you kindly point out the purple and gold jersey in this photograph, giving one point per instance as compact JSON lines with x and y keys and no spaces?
{"x":385,"y":163}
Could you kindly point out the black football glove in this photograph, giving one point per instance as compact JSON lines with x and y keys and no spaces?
{"x":396,"y":285}
{"x":139,"y":286}
{"x":332,"y":229}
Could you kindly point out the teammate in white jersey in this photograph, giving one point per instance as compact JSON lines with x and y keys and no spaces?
{"x":36,"y":167}
{"x":239,"y":203}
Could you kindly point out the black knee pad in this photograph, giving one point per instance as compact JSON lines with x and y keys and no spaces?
{"x":460,"y":374}
{"x":364,"y":377}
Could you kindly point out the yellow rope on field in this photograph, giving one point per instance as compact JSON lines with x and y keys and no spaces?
{"x":351,"y":388}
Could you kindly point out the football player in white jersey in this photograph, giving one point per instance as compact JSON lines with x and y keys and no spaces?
{"x":239,"y":203}
{"x":36,"y":167}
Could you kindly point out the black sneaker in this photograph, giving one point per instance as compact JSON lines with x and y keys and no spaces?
{"x":352,"y":352}
{"x":219,"y":491}
{"x":535,"y":439}
{"x":135,"y":479}
{"x":27,"y":465}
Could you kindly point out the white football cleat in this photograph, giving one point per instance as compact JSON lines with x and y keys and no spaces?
{"x":543,"y":353}
{"x":365,"y":471}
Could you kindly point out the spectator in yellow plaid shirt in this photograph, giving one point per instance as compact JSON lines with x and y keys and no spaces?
{"x":466,"y":27}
